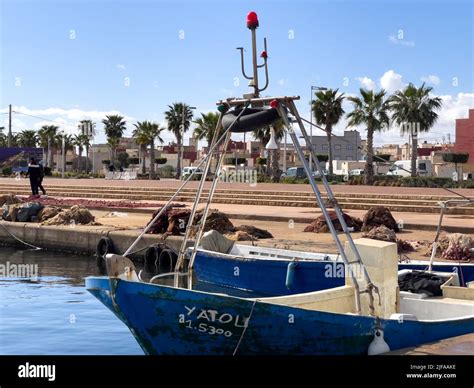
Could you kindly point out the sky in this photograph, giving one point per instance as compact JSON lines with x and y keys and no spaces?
{"x":71,"y":60}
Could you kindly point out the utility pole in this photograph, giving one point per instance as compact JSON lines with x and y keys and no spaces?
{"x":63,"y":149}
{"x":9,"y":142}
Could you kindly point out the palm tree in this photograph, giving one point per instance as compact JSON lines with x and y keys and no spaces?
{"x":327,"y":111}
{"x":372,"y":111}
{"x":206,"y":126}
{"x":414,"y":110}
{"x":114,"y":126}
{"x":80,"y":142}
{"x":69,"y":144}
{"x":178,"y":116}
{"x":263,"y":135}
{"x":90,"y":136}
{"x":141,"y":138}
{"x":148,"y":132}
{"x":27,"y":138}
{"x":47,"y":135}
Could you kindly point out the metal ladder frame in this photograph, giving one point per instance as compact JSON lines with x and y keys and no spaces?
{"x":289,"y":103}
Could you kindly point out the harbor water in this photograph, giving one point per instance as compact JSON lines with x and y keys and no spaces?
{"x":46,"y":310}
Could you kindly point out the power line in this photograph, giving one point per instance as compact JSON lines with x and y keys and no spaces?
{"x":42,"y":118}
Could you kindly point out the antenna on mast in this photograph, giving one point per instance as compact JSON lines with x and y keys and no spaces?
{"x":252,"y":25}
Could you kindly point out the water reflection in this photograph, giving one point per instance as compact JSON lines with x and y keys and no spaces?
{"x":52,"y":312}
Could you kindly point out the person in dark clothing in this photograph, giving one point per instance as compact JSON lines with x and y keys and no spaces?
{"x":34,"y":175}
{"x":40,"y":180}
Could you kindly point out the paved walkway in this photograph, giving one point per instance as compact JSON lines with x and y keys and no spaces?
{"x":307,"y":215}
{"x":173,"y":183}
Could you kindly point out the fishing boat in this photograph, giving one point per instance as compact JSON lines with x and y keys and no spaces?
{"x":167,"y":320}
{"x":290,"y":272}
{"x":366,"y":314}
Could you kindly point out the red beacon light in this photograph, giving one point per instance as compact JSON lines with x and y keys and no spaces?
{"x":252,"y":20}
{"x":264,"y":55}
{"x":274,"y":104}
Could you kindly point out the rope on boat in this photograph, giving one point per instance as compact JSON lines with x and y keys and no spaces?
{"x":245,"y":328}
{"x":19,"y":239}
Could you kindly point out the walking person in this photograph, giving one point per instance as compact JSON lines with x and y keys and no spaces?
{"x":40,"y":180}
{"x":34,"y":175}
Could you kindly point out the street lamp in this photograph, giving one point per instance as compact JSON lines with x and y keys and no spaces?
{"x":311,"y":122}
{"x":181,"y":151}
{"x":63,"y":147}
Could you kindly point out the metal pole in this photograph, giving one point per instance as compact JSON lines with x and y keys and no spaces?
{"x":321,"y":204}
{"x":63,"y":146}
{"x":206,"y":209}
{"x":180,"y":156}
{"x":332,"y":199}
{"x":9,"y":141}
{"x":254,"y":61}
{"x":209,"y":155}
{"x":311,"y":128}
{"x":284,"y":153}
{"x":435,"y":242}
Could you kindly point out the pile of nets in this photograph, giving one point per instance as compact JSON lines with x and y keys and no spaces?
{"x":377,"y":216}
{"x":174,"y":221}
{"x":453,"y":246}
{"x":319,"y":225}
{"x":383,"y":233}
{"x":76,"y":215}
{"x":9,"y":199}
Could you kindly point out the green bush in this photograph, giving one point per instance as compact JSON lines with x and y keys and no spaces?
{"x":293,"y":180}
{"x":48,"y":171}
{"x":419,"y":181}
{"x":167,"y":171}
{"x":134,"y":160}
{"x":467,"y":184}
{"x":7,"y":170}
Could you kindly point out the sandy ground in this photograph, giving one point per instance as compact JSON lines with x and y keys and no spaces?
{"x":286,"y":235}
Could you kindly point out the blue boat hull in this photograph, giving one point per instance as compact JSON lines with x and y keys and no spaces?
{"x":173,"y":321}
{"x":269,"y":277}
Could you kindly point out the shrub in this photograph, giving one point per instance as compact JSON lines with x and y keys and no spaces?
{"x":48,"y":171}
{"x":167,"y":171}
{"x":7,"y":170}
{"x":467,"y":184}
{"x":134,"y":160}
{"x":292,"y":180}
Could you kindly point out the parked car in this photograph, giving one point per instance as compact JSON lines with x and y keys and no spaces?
{"x":296,"y":172}
{"x":403,"y":168}
{"x":316,"y":174}
{"x":187,"y":171}
{"x":357,"y":171}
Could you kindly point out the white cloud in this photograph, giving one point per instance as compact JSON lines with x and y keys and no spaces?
{"x":120,"y":66}
{"x":431,"y":79}
{"x":228,"y":92}
{"x":366,"y":83}
{"x":401,"y":42}
{"x":66,"y":119}
{"x":391,"y":81}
